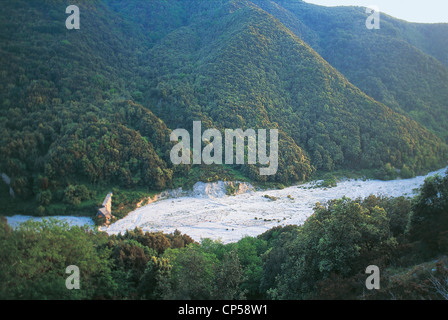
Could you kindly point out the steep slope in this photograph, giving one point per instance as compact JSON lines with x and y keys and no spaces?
{"x":430,"y":38}
{"x":247,"y":70}
{"x":63,"y":116}
{"x":401,"y":65}
{"x":96,"y":106}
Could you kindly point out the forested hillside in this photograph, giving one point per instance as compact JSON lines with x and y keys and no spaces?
{"x":92,"y":109}
{"x":67,"y":115}
{"x":403,"y":65}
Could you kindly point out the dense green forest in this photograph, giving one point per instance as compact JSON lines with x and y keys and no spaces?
{"x":83,"y":111}
{"x":403,"y":65}
{"x":325,"y":258}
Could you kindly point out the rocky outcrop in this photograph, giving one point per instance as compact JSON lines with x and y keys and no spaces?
{"x":221,"y":188}
{"x":217,"y":189}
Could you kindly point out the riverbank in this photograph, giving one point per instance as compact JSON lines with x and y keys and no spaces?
{"x":208,"y":211}
{"x":229,"y":218}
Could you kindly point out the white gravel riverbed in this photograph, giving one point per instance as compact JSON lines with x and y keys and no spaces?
{"x":208,"y":213}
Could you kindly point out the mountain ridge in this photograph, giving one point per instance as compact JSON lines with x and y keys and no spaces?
{"x":386,"y":75}
{"x":70,"y":105}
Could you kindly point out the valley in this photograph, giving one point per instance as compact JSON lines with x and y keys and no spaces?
{"x":99,"y":100}
{"x":207,"y":212}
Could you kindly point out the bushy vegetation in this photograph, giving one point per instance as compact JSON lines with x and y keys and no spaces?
{"x":378,"y":61}
{"x":93,"y":108}
{"x":325,"y":258}
{"x":83,"y":112}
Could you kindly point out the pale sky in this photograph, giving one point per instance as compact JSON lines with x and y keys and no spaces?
{"x":425,"y":11}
